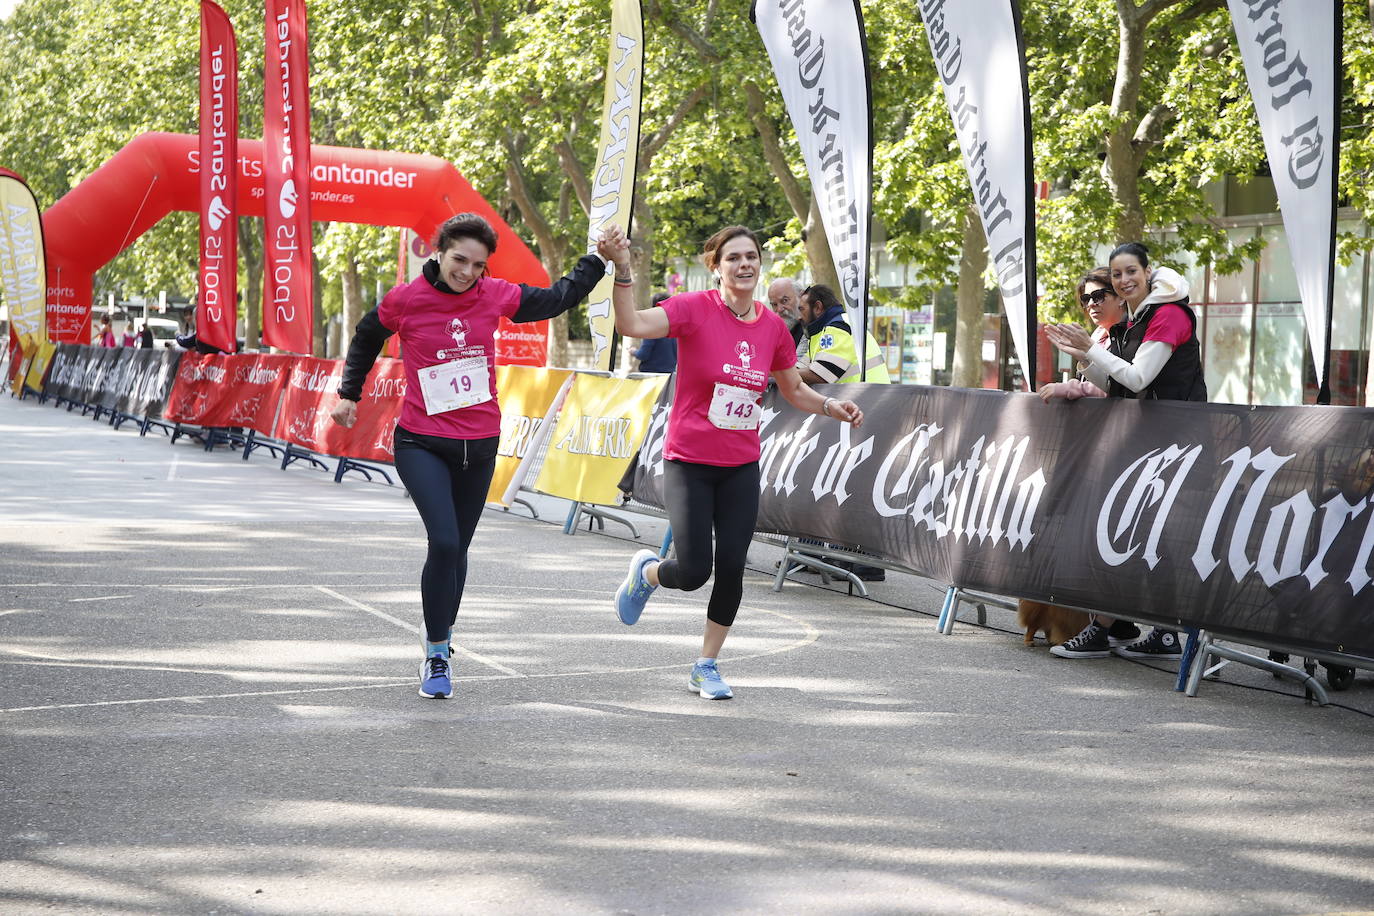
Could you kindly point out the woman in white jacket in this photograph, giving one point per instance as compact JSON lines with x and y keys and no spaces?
{"x":1157,"y":354}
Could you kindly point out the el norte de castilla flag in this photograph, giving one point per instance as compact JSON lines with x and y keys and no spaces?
{"x":1292,"y":55}
{"x":820,"y":59}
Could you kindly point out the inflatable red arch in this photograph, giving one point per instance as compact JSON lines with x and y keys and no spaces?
{"x":158,"y":173}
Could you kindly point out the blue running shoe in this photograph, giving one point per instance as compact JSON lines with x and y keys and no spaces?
{"x":434,"y":678}
{"x":706,"y":681}
{"x":635,"y":590}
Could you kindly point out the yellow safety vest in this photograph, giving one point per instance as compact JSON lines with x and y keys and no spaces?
{"x":835,"y":358}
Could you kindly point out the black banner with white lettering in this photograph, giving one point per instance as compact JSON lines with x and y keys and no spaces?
{"x":1249,"y":521}
{"x":130,"y":380}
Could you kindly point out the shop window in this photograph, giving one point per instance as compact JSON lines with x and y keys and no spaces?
{"x":1277,"y":280}
{"x":1347,"y":311}
{"x":1280,"y":353}
{"x":1226,"y":352}
{"x":1239,"y":286}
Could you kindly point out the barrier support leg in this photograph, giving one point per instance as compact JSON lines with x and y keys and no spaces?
{"x":574,"y":514}
{"x":1185,"y":662}
{"x":1309,"y":682}
{"x":947,"y":608}
{"x":1197,"y":664}
{"x":667,"y":542}
{"x":600,"y":516}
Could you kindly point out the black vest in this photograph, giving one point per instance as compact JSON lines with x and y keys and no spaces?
{"x":1181,"y":378}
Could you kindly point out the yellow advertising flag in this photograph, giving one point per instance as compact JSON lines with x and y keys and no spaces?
{"x":601,"y":426}
{"x":23,"y":269}
{"x":613,"y":178}
{"x":526,"y":393}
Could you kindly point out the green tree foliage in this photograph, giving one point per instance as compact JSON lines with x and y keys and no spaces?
{"x":1138,"y":105}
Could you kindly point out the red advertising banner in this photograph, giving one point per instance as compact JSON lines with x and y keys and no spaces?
{"x":217,"y":298}
{"x":288,"y":304}
{"x":522,"y":344}
{"x":255,"y":384}
{"x":202,"y":383}
{"x":370,"y":437}
{"x":310,"y":391}
{"x":311,"y":394}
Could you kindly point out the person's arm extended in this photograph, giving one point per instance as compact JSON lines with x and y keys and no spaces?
{"x":648,"y":324}
{"x":803,"y":398}
{"x":538,"y":303}
{"x":367,"y":341}
{"x":1138,"y":374}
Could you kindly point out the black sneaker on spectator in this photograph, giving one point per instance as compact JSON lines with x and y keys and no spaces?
{"x":1091,"y":642}
{"x":1122,"y":633}
{"x":1160,"y":643}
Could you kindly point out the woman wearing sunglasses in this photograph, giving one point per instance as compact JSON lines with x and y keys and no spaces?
{"x":1104,"y":309}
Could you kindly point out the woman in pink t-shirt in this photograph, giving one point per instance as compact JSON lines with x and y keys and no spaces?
{"x":105,"y":334}
{"x":728,"y":347}
{"x":446,"y":437}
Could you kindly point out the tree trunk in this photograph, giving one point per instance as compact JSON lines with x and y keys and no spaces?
{"x":968,"y":327}
{"x":352,"y":299}
{"x":1136,"y":133}
{"x":251,"y":252}
{"x":553,"y":251}
{"x":317,"y":297}
{"x":818,"y":251}
{"x":1121,"y":168}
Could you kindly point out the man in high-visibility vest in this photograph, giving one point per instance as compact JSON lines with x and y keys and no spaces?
{"x":833,"y":357}
{"x":833,"y":352}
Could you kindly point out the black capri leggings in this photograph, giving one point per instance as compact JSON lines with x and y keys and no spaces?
{"x":700,"y":497}
{"x":448,"y":481}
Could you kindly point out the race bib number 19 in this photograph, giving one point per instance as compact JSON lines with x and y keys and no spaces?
{"x":451,"y":386}
{"x":734,"y":408}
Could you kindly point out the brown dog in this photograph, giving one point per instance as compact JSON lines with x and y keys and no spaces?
{"x":1059,"y":624}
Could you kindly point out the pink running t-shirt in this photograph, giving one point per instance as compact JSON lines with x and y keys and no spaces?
{"x":1169,"y":325}
{"x":715,"y":348}
{"x":438,"y":328}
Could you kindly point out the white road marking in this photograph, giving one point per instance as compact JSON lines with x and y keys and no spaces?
{"x":172,"y":468}
{"x":809,"y":635}
{"x":207,"y":696}
{"x":480,"y":659}
{"x":99,"y":598}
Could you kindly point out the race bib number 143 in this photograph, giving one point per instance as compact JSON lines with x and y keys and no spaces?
{"x":734,"y":408}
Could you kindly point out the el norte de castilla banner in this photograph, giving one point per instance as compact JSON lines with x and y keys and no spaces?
{"x":1250,"y":521}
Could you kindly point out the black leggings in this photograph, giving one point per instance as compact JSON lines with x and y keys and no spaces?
{"x":448,"y":481}
{"x":700,"y":497}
